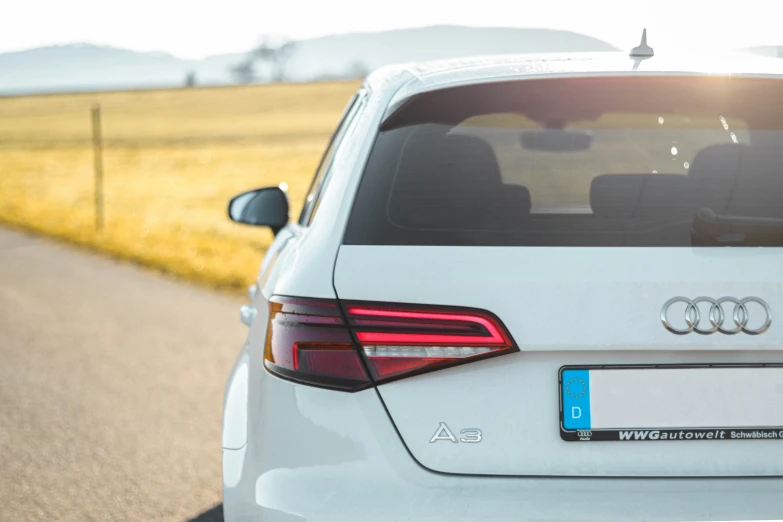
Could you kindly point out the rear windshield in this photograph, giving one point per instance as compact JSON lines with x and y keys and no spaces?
{"x":642,"y":161}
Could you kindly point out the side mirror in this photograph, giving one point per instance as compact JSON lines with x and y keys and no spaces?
{"x":264,"y":207}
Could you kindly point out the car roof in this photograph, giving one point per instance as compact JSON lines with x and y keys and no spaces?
{"x":400,"y":82}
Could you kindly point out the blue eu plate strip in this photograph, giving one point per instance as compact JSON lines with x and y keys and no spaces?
{"x":576,"y":399}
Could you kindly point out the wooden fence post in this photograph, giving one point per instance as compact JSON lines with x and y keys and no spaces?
{"x":97,"y":150}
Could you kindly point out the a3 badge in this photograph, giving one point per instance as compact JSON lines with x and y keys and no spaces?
{"x":468,"y":435}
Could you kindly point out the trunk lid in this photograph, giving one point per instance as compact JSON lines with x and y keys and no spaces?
{"x":566,"y":307}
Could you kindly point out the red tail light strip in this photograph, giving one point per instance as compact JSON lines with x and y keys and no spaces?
{"x":404,"y":340}
{"x":495,"y":335}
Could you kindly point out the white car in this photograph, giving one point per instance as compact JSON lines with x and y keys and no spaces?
{"x":523,"y":289}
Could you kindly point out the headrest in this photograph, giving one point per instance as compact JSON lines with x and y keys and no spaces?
{"x":717,"y":162}
{"x":452,"y":181}
{"x":433,"y":163}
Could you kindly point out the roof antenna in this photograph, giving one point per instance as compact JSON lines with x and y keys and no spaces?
{"x":642,"y":50}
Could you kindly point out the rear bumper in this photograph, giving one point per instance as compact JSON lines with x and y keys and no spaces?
{"x":318,"y":455}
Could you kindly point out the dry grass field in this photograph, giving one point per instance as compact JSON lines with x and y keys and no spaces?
{"x":172,"y":160}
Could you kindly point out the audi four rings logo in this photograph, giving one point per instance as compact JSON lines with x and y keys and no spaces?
{"x":719,"y":321}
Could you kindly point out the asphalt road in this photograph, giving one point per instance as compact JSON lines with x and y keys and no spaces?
{"x":111,"y":387}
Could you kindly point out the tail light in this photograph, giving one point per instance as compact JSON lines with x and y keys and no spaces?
{"x":403,"y":340}
{"x":308,"y":341}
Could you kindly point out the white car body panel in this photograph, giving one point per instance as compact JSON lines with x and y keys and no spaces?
{"x":331,"y":456}
{"x":563,"y":306}
{"x":295,"y":452}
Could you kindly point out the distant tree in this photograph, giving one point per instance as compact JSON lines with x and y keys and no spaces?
{"x":244,"y":71}
{"x":272,"y":55}
{"x":190,"y":79}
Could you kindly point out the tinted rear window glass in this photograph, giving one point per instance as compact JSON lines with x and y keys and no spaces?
{"x":664,"y":161}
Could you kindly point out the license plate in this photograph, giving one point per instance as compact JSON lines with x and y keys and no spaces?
{"x":666,"y":402}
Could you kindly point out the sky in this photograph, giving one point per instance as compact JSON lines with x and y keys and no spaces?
{"x":195,"y":29}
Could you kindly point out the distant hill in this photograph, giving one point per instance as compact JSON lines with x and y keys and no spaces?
{"x":81,"y":66}
{"x":87,"y":67}
{"x":774,"y":51}
{"x":337,"y":54}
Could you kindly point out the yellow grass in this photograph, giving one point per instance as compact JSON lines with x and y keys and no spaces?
{"x":173,"y":159}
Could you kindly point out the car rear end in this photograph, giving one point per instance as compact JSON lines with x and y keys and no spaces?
{"x":553,"y":298}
